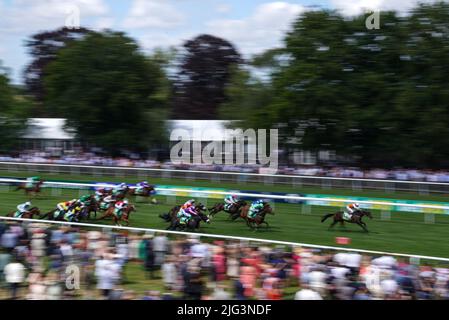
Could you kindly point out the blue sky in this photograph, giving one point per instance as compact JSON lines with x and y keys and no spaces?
{"x":252,"y":25}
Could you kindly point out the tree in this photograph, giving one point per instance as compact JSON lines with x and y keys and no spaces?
{"x":44,"y":47}
{"x":108,"y":90}
{"x":376,"y":97}
{"x":12,"y":114}
{"x":199,"y":87}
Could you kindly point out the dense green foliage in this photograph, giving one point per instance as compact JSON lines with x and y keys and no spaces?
{"x":376,"y":97}
{"x":108,"y":90}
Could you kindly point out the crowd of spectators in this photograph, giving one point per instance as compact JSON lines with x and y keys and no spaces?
{"x":37,"y":261}
{"x":86,"y":158}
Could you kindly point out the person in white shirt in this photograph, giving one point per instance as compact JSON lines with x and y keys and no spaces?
{"x":307,"y":294}
{"x":14,"y":276}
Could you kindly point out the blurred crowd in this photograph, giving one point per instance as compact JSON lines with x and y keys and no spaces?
{"x":37,"y":261}
{"x":86,"y":158}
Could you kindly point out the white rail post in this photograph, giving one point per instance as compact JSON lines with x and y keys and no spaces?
{"x":305,"y":208}
{"x":429,"y":218}
{"x":385,"y":215}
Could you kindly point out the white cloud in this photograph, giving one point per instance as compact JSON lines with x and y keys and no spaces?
{"x":262,"y":30}
{"x":355,"y":7}
{"x":24,"y":16}
{"x":223,"y":8}
{"x":153,"y":14}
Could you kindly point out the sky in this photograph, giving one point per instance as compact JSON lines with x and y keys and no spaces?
{"x":252,"y":25}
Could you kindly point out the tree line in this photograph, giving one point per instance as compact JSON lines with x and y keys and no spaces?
{"x":377,"y":98}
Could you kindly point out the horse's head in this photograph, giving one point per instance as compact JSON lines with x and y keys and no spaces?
{"x":367,"y":213}
{"x":267,"y":208}
{"x":201,"y":207}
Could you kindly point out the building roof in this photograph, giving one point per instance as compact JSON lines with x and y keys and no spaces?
{"x":47,"y":129}
{"x":202,"y":130}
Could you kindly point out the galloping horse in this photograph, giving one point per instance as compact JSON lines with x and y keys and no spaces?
{"x":54,"y":214}
{"x":355,"y":218}
{"x":26,"y":215}
{"x":93,"y":206}
{"x":36,"y":187}
{"x":194,"y":222}
{"x":147,"y":192}
{"x":126,"y":212}
{"x":254,"y":223}
{"x":235,"y":208}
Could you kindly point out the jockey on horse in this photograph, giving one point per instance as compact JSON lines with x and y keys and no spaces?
{"x":141,"y":186}
{"x":186,"y":211}
{"x":71,"y":215}
{"x":119,"y":206}
{"x":31,"y":181}
{"x":350,"y":210}
{"x":230,"y":201}
{"x":120,"y":189}
{"x":63,"y":207}
{"x":255,"y":208}
{"x":107,"y":202}
{"x":100,"y":194}
{"x":22,"y":209}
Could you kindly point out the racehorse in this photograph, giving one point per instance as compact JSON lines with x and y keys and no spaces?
{"x":52,"y":215}
{"x":192,"y":224}
{"x":147,"y":192}
{"x":26,"y":215}
{"x":254,"y":223}
{"x":355,"y":218}
{"x":221,"y":207}
{"x":36,"y":187}
{"x":126,"y":212}
{"x":93,"y":206}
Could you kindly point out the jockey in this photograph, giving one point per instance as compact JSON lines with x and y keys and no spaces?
{"x":119,"y":189}
{"x":185,"y":214}
{"x":188,"y":204}
{"x":31,"y":181}
{"x":120,"y":205}
{"x":99,"y":194}
{"x":71,"y":214}
{"x":255,"y":208}
{"x":22,"y":208}
{"x":106,"y":202}
{"x":63,"y":207}
{"x":229,"y":201}
{"x":141,"y":186}
{"x":85,"y":200}
{"x":350,"y":210}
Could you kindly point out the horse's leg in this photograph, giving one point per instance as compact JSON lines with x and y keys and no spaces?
{"x":361,"y":224}
{"x":333,"y":224}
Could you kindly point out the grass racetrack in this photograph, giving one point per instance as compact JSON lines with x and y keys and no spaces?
{"x":404,"y":233}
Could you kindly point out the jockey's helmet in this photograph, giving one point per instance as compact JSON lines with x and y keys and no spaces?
{"x":28,"y":204}
{"x":356,"y":206}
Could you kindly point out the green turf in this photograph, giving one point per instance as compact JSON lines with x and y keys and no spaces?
{"x":405,"y":233}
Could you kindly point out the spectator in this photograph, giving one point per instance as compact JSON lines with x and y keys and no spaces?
{"x":14,"y":276}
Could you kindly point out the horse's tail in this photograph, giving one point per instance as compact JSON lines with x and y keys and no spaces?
{"x":166,"y":217}
{"x":44,"y":215}
{"x":326,"y":216}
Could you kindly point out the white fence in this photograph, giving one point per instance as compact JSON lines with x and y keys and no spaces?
{"x":207,"y":235}
{"x":236,"y":177}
